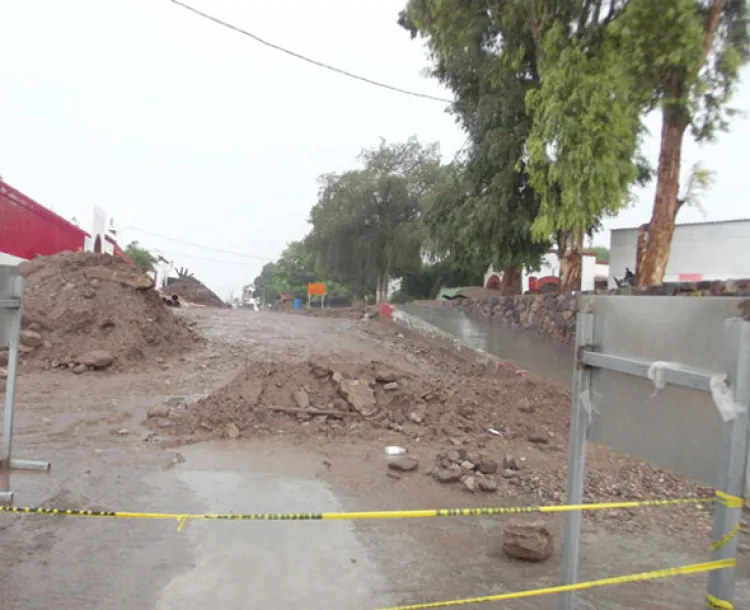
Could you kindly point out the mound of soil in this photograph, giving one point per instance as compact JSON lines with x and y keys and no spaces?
{"x":368,"y":398}
{"x":487,"y":432}
{"x":191,"y":290}
{"x":84,"y":310}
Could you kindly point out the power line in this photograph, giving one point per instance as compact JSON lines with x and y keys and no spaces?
{"x":309,"y":60}
{"x":194,"y":245}
{"x":185,"y":255}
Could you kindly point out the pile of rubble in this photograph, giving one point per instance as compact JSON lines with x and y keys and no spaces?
{"x":370,"y":398}
{"x":86,"y":311}
{"x":193,"y":291}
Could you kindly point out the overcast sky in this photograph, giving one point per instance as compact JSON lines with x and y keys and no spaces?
{"x":180,"y":127}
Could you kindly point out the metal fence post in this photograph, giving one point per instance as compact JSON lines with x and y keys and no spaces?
{"x":14,"y":342}
{"x":731,"y":479}
{"x":579,"y":423}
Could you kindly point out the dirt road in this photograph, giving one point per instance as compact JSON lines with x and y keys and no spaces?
{"x":92,"y":428}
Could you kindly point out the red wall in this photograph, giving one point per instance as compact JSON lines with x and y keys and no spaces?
{"x":28,"y":229}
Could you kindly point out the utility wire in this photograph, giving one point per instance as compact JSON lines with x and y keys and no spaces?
{"x":309,"y":60}
{"x":194,"y":245}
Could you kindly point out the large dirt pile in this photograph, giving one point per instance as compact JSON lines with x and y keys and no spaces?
{"x":91,"y":311}
{"x":371,"y":397}
{"x":191,"y":290}
{"x":485,"y":432}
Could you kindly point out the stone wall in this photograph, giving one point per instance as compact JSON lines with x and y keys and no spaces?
{"x":554,"y":315}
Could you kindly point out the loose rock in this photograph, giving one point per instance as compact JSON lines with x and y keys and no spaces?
{"x":470,"y":483}
{"x":538,"y":438}
{"x":447,"y":475}
{"x":360,"y":396}
{"x":487,"y":484}
{"x":231,"y":431}
{"x":158,"y":412}
{"x":404,"y":463}
{"x":384,"y":376}
{"x":528,"y":540}
{"x":31,"y":338}
{"x":301,"y":399}
{"x":486,"y":466}
{"x":97,"y":359}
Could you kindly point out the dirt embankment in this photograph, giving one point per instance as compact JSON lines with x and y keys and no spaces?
{"x":87,"y":311}
{"x":193,"y":291}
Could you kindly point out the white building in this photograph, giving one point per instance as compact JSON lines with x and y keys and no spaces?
{"x":592,"y":273}
{"x":700,"y":251}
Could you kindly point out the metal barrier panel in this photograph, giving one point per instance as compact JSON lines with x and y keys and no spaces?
{"x":676,"y":428}
{"x":9,"y":288}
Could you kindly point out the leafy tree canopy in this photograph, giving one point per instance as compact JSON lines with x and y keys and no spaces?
{"x":140,"y":256}
{"x":365,"y":225}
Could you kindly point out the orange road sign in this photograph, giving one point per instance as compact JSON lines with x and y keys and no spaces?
{"x":316,"y":289}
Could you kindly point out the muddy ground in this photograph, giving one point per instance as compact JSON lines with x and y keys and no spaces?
{"x":107,"y":455}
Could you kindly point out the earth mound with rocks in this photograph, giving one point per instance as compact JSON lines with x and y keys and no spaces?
{"x":193,"y":291}
{"x":370,"y":398}
{"x":85,"y":311}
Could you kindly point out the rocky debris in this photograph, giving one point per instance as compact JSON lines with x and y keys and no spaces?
{"x":31,"y":338}
{"x":538,"y":437}
{"x":451,"y":474}
{"x":470,"y":483}
{"x":231,"y":431}
{"x":510,"y":463}
{"x":193,"y":291}
{"x":81,"y":302}
{"x":403,"y":463}
{"x":161,"y":411}
{"x":4,"y":357}
{"x":527,"y":540}
{"x":301,"y":399}
{"x":359,"y":395}
{"x":126,"y":277}
{"x":391,"y":386}
{"x":487,"y":484}
{"x":384,"y":376}
{"x":96,"y":359}
{"x":487,"y":466}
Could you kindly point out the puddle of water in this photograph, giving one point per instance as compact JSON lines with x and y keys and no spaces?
{"x":294,"y":565}
{"x":531,"y":351}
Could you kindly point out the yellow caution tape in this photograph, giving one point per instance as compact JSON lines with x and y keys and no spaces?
{"x":182,"y":518}
{"x":715,"y":546}
{"x":697,"y":568}
{"x":729,"y":501}
{"x":718,"y":604}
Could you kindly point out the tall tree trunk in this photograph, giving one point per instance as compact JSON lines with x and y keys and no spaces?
{"x":675,"y":120}
{"x":384,"y":279}
{"x":661,"y":228}
{"x":570,"y":251}
{"x":640,"y":250}
{"x":511,"y":281}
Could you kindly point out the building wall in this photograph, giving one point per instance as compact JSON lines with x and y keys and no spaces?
{"x":700,"y":251}
{"x":550,"y":266}
{"x":28,"y":229}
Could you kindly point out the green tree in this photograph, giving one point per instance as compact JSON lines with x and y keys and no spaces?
{"x":142,"y":258}
{"x":292,"y":272}
{"x":365,"y":225}
{"x":582,"y":147}
{"x":684,"y":57}
{"x":602,"y":253}
{"x":482,"y":211}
